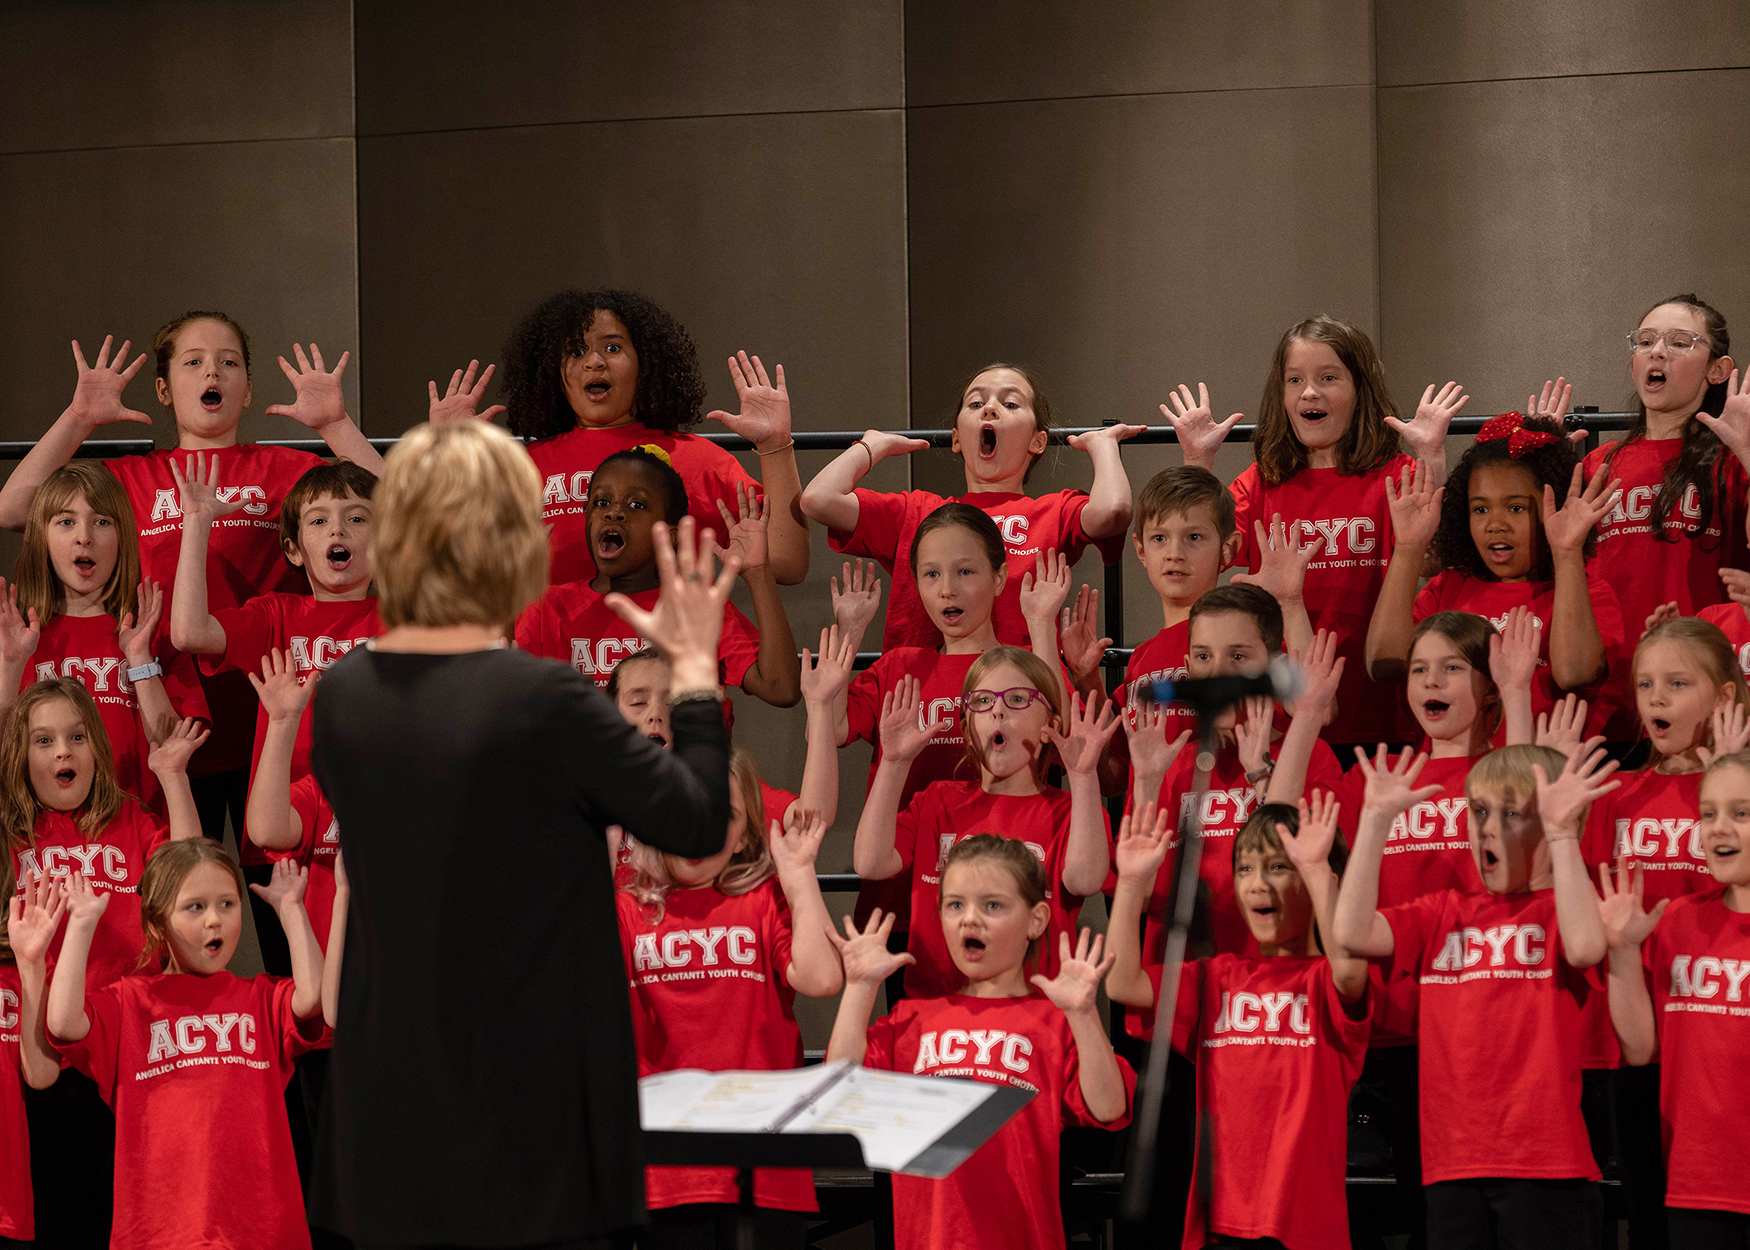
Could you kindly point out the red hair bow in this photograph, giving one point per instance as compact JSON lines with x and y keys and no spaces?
{"x":1511,"y":426}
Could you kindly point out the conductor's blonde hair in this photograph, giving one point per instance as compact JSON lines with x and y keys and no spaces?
{"x":458,"y":537}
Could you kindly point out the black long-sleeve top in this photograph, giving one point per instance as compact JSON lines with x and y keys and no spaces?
{"x":483,"y":1084}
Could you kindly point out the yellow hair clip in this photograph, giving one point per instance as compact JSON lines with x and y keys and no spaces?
{"x":656,"y":451}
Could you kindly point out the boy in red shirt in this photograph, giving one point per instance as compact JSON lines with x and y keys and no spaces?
{"x":1503,"y":990}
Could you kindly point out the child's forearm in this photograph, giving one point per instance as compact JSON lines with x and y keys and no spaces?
{"x":874,"y":854}
{"x":787,"y":532}
{"x":1576,"y":650}
{"x":1097,"y":1067}
{"x":40,"y":1064}
{"x":820,"y":768}
{"x":1294,"y":755}
{"x":306,"y":955}
{"x":831,"y":497}
{"x":268,"y":816}
{"x":776,"y":676}
{"x":193,"y":629}
{"x":157,"y":716}
{"x":814,"y":970}
{"x":1388,"y":633}
{"x":1347,"y":972}
{"x":1631,"y":1007}
{"x":1127,"y":983}
{"x":1109,"y":505}
{"x":1356,"y":924}
{"x":1577,"y":917}
{"x":1087,"y":853}
{"x":54,"y":449}
{"x":184,"y":816}
{"x":850,"y":1027}
{"x":1517,"y":720}
{"x":348,"y":442}
{"x":331,"y":961}
{"x":65,"y":1016}
{"x":841,"y":717}
{"x":1042,"y":640}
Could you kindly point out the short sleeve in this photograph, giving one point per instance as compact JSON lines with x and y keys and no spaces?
{"x":1348,"y":1026}
{"x":780,"y":934}
{"x":1248,"y":493}
{"x":1075,"y":1107}
{"x":1410,"y":924}
{"x":307,"y":802}
{"x":863,"y":703}
{"x":249,"y":634}
{"x":923,"y":815}
{"x":294,"y":1037}
{"x":1428,"y":598}
{"x":537,"y":631}
{"x":182,"y":684}
{"x":151,"y":832}
{"x":1188,"y":1010}
{"x":97,"y":1054}
{"x":738,"y":646}
{"x":1598,"y":839}
{"x":1607,"y":612}
{"x":881,"y":1043}
{"x":880,"y":522}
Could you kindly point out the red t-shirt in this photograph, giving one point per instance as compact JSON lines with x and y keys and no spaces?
{"x":887,"y":522}
{"x":1455,"y":591}
{"x":1734,"y":623}
{"x":112,"y":860}
{"x":1005,"y":1195}
{"x":710,"y":990}
{"x":1276,"y":1053}
{"x":17,"y":1203}
{"x":774,"y":802}
{"x":574,"y":625}
{"x":316,"y":852}
{"x":195,"y":1069}
{"x":1349,"y":514}
{"x":85,"y":648}
{"x":1646,"y":572}
{"x":1655,"y":820}
{"x":244,"y":558}
{"x":1162,"y":658}
{"x":948,"y":812}
{"x":1500,"y":1034}
{"x":1696,"y":961}
{"x":567,"y":461}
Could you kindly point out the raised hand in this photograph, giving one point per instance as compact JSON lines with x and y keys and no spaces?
{"x":1552,"y":404}
{"x":1733,"y":423}
{"x":855,"y":606}
{"x":1144,"y":838}
{"x":84,"y":905}
{"x":1415,"y":506}
{"x":1562,"y":802}
{"x":764,"y":419}
{"x":19,"y":635}
{"x":1426,"y":432}
{"x":1737,"y":583}
{"x":1044,"y":590}
{"x":1514,"y":651}
{"x":1562,"y":727}
{"x":1731,"y":733}
{"x":825,"y":677}
{"x":283,"y":696}
{"x":34,"y":915}
{"x":172,"y":754}
{"x":864,"y":951}
{"x":688,"y":617}
{"x":1113,"y":434}
{"x":1200,"y":434}
{"x":1322,"y":673}
{"x":319,"y":403}
{"x":462,"y":399}
{"x":1252,"y":735}
{"x":1568,"y":527}
{"x":747,"y":526}
{"x":880,"y":445}
{"x":796,"y":842}
{"x":1078,"y":632}
{"x":1391,"y":787}
{"x":1667,"y":612}
{"x":286,"y":886}
{"x":1626,"y":919}
{"x":1145,"y":729}
{"x":136,"y":640}
{"x":97,"y":395}
{"x":902,"y":736}
{"x":197,"y":485}
{"x":1076,"y":986}
{"x":1091,"y":726}
{"x":1281,"y":564}
{"x":1309,"y":850}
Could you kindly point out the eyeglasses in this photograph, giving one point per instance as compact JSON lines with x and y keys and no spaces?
{"x":1015,"y":698}
{"x":1677,"y":340}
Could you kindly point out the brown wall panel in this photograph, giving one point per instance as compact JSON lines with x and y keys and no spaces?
{"x":115,"y":241}
{"x":1522,"y":233}
{"x":975,"y":51}
{"x":1431,"y":41}
{"x":110,"y":73}
{"x":443,"y":66}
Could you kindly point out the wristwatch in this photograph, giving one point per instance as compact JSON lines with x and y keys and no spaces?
{"x":146,"y":671}
{"x":1255,"y":775}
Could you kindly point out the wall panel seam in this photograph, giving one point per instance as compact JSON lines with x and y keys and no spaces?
{"x":615,"y":121}
{"x":1133,"y":95}
{"x":180,"y":143}
{"x":1612,"y":73}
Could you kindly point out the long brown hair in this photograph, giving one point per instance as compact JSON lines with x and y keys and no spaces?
{"x":1368,"y":444}
{"x":162,"y":882}
{"x":1470,"y":633}
{"x":747,"y":869}
{"x":19,"y":805}
{"x":34,"y":574}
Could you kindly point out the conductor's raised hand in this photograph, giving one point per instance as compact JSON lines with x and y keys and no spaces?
{"x":687,"y":618}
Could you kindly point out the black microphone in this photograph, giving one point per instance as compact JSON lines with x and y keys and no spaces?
{"x":1208,"y":695}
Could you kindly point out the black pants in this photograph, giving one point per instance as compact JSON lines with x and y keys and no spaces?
{"x":219,"y":795}
{"x":1389,"y":1095}
{"x":72,"y":1163}
{"x":1174,"y":1151}
{"x":1708,"y":1230}
{"x":1503,"y":1213}
{"x":1640,"y":1156}
{"x":701,"y":1225}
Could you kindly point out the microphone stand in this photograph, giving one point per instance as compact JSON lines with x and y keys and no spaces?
{"x":1179,"y":905}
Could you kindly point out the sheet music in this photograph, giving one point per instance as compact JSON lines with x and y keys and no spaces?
{"x":736,"y":1102}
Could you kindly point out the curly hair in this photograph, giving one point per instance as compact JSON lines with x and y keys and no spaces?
{"x":1368,"y":444}
{"x":670,"y":391}
{"x":1552,"y":465}
{"x":668,"y":482}
{"x":1698,"y":461}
